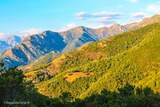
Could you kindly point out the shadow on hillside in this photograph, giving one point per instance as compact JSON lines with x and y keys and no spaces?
{"x":14,"y":92}
{"x":127,"y":97}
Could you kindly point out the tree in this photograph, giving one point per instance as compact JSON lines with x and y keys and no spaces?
{"x":1,"y":64}
{"x":127,"y":90}
{"x":65,"y":97}
{"x":13,"y":88}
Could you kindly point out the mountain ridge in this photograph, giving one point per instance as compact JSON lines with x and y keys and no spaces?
{"x":70,"y":39}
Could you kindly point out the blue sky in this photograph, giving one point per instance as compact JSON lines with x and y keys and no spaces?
{"x":36,"y":15}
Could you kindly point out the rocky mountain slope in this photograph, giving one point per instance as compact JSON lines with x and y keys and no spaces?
{"x":35,"y":46}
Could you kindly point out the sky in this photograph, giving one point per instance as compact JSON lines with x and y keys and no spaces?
{"x":31,"y":16}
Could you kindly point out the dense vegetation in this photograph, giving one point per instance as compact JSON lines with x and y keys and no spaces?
{"x":16,"y":92}
{"x":126,"y":58}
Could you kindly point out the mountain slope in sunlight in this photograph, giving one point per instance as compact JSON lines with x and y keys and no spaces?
{"x":128,"y":58}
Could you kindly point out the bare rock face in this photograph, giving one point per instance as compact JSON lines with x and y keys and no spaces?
{"x":78,"y":36}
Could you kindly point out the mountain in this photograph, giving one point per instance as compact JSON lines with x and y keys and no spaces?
{"x":35,"y":46}
{"x":110,"y":64}
{"x":8,"y":42}
{"x":72,"y":36}
{"x":110,"y":31}
{"x":144,"y":22}
{"x":78,"y":36}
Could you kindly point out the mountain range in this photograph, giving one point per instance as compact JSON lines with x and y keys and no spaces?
{"x":35,"y":46}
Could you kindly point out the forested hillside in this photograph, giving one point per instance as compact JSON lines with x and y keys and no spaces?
{"x":128,"y":58}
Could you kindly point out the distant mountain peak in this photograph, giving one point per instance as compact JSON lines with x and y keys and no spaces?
{"x":116,"y":25}
{"x":47,"y":32}
{"x":77,"y":31}
{"x":79,"y":28}
{"x":82,"y":27}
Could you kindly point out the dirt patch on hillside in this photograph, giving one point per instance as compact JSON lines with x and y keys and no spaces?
{"x":71,"y":77}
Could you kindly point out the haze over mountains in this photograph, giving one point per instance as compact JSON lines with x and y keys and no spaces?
{"x":35,"y":46}
{"x":9,"y":41}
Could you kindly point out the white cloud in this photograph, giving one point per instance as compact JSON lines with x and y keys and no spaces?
{"x":83,"y":15}
{"x":105,"y":18}
{"x":28,"y":32}
{"x":95,"y":26}
{"x":68,"y":26}
{"x":2,"y":36}
{"x":106,"y":14}
{"x":21,"y":34}
{"x":149,"y":11}
{"x":154,"y":8}
{"x":134,"y":1}
{"x":137,"y":16}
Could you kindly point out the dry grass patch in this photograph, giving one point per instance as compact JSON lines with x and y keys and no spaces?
{"x":71,"y":77}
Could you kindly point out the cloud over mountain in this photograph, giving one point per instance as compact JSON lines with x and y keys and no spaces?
{"x":155,"y":7}
{"x":105,"y":18}
{"x":68,"y":26}
{"x":30,"y":32}
{"x":137,"y":16}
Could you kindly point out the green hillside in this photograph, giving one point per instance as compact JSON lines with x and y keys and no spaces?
{"x":128,"y":58}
